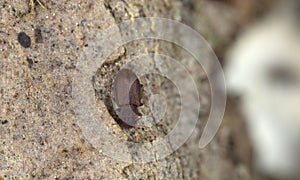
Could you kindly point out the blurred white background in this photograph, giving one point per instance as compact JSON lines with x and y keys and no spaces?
{"x":262,"y":68}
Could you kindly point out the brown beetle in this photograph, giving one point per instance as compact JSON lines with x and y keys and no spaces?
{"x":127,"y":93}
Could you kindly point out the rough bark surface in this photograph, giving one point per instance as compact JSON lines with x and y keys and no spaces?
{"x":39,"y":135}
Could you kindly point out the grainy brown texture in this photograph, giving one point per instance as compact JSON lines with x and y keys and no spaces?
{"x":39,"y":136}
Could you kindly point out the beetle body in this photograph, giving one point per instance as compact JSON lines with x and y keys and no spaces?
{"x":127,"y":94}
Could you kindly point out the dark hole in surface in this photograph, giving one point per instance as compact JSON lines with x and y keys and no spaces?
{"x":4,"y":122}
{"x":24,"y":40}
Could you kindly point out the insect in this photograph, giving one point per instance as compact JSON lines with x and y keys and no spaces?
{"x":127,"y":93}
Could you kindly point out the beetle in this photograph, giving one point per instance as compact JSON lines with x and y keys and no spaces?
{"x":127,"y":94}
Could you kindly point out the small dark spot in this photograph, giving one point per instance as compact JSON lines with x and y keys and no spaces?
{"x":24,"y":40}
{"x":4,"y":122}
{"x":16,"y":95}
{"x":41,"y":140}
{"x":30,"y":62}
{"x":38,"y":35}
{"x":65,"y":150}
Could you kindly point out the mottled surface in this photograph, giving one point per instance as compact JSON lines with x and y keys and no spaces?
{"x":39,"y":136}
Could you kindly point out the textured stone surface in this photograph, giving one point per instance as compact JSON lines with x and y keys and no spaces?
{"x":39,"y":136}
